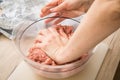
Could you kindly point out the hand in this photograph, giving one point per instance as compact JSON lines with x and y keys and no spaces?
{"x":66,"y":8}
{"x":53,"y":40}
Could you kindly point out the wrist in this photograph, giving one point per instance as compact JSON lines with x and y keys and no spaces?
{"x":59,"y":57}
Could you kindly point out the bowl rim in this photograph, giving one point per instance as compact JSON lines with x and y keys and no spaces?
{"x":44,"y":19}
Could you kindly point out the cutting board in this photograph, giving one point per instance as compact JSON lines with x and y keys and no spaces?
{"x":24,"y":72}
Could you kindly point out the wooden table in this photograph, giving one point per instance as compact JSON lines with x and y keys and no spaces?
{"x":9,"y":60}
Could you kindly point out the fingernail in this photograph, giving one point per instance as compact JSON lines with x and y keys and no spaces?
{"x":52,"y":10}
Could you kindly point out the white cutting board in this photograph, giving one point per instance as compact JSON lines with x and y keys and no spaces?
{"x":23,"y":72}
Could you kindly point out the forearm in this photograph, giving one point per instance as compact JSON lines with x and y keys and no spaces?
{"x":100,"y":21}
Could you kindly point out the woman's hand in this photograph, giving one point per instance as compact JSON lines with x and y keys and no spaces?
{"x":66,"y":8}
{"x":53,"y":42}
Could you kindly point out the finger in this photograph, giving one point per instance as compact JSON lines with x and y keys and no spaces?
{"x":69,"y":29}
{"x":65,"y":30}
{"x":53,"y":31}
{"x":70,"y":35}
{"x":59,"y":20}
{"x":46,"y":10}
{"x":62,"y":32}
{"x":72,"y":14}
{"x":40,"y":33}
{"x":51,"y":19}
{"x":48,"y":61}
{"x":41,"y":45}
{"x":56,"y":36}
{"x":60,"y":7}
{"x":44,"y":32}
{"x":49,"y":5}
{"x":39,"y":39}
{"x":57,"y":27}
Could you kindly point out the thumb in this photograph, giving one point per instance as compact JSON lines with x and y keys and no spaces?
{"x":60,"y":7}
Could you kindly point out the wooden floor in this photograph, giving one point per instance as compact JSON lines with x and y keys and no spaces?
{"x":9,"y":60}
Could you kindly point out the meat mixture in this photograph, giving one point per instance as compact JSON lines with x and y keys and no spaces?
{"x":38,"y":55}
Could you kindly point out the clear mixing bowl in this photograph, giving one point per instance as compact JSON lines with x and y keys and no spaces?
{"x":24,"y":39}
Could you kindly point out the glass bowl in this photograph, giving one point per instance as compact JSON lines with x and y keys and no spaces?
{"x":24,"y":39}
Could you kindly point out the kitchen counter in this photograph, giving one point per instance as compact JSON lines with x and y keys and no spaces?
{"x":9,"y":60}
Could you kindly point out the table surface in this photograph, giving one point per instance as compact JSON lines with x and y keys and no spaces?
{"x":9,"y":60}
{"x":89,"y":69}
